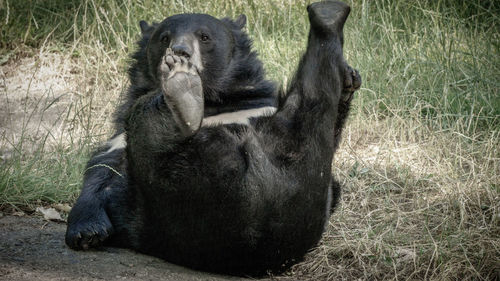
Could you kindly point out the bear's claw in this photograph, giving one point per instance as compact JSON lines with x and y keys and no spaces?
{"x":89,"y":234}
{"x":352,"y":82}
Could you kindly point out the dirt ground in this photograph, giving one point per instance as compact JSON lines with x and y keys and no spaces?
{"x":35,"y":94}
{"x":33,"y":249}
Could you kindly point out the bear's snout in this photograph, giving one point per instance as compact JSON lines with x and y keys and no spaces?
{"x":182,"y":46}
{"x":182,"y":50}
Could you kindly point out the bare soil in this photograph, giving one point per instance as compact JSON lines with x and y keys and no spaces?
{"x":35,"y":94}
{"x":33,"y":249}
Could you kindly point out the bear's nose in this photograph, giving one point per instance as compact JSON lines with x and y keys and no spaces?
{"x":182,"y":50}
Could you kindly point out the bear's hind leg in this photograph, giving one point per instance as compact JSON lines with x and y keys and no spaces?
{"x":182,"y":90}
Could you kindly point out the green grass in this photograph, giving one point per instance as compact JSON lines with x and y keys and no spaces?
{"x":420,"y":159}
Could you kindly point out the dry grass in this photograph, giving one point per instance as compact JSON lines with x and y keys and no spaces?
{"x":55,"y":108}
{"x":420,"y":157}
{"x":419,"y":206}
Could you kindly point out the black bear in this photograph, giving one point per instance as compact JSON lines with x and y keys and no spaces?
{"x":211,"y":167}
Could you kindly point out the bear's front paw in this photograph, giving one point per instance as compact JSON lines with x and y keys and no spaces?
{"x":352,"y":82}
{"x":89,"y":232}
{"x":183,"y":93}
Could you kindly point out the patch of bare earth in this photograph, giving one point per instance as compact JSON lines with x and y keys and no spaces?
{"x":35,"y":93}
{"x":50,"y":99}
{"x":34,"y":249}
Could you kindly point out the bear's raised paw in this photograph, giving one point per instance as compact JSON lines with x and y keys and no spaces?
{"x":183,"y":92}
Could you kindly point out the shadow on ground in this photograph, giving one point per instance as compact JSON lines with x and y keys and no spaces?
{"x":34,"y":249}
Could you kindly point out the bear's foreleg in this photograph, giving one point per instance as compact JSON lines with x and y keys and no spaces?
{"x":90,"y":221}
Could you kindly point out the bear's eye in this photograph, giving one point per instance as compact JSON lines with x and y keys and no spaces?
{"x":164,"y":39}
{"x":204,"y":37}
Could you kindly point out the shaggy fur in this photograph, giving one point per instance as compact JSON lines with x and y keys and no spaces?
{"x":233,"y":198}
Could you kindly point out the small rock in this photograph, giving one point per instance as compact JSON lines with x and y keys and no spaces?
{"x":63,"y":207}
{"x":50,"y":214}
{"x":19,"y":214}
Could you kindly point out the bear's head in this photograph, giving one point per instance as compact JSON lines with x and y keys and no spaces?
{"x":220,"y":50}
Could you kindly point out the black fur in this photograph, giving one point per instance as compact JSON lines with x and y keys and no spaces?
{"x":239,"y":199}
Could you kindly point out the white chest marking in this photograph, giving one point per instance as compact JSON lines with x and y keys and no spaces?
{"x":117,"y":142}
{"x":238,"y":117}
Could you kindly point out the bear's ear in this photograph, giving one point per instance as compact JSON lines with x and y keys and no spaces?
{"x":241,"y":21}
{"x":144,"y":26}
